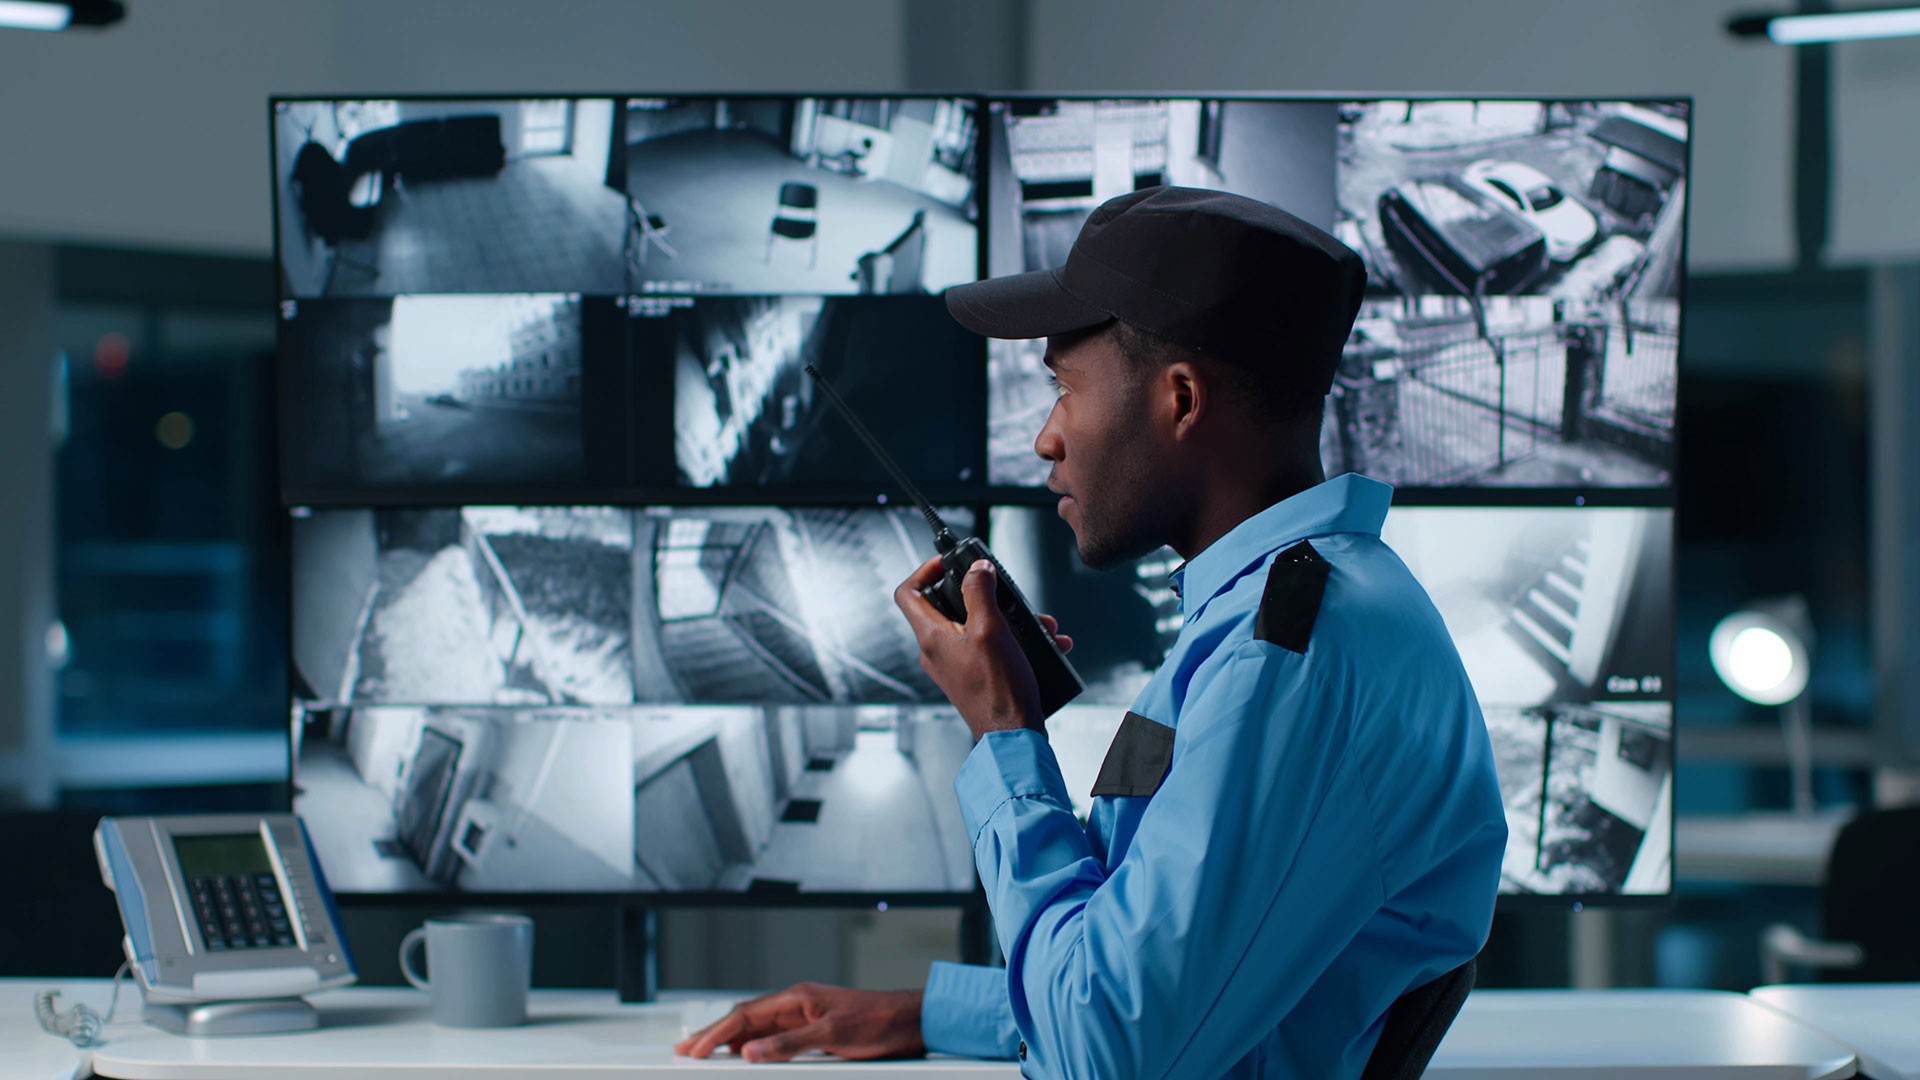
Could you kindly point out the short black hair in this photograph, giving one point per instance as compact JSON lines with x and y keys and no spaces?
{"x":1267,"y":398}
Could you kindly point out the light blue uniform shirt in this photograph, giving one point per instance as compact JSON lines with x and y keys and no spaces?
{"x":1328,"y":836}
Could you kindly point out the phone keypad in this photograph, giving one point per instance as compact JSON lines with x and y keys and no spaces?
{"x":241,"y":911}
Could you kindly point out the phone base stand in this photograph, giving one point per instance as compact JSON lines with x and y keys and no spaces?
{"x":260,"y":1016}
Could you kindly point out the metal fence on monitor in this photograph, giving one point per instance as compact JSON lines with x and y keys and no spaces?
{"x":1641,"y":374}
{"x":1450,"y":405}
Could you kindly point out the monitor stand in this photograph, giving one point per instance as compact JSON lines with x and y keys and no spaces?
{"x":636,"y":950}
{"x":637,"y":946}
{"x":259,"y":1016}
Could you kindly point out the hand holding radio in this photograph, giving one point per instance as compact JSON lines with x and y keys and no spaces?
{"x":977,"y":661}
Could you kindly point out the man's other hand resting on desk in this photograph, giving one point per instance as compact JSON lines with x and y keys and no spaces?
{"x":852,"y":1024}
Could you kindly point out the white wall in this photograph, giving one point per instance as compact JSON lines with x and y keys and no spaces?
{"x":154,"y":132}
{"x":1743,"y":93}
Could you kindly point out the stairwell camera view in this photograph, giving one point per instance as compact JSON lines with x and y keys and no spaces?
{"x":603,"y":606}
{"x":800,"y":195}
{"x":776,"y":800}
{"x":442,"y":390}
{"x":1564,"y":619}
{"x":379,"y":198}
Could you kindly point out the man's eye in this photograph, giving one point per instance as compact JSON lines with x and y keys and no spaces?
{"x":1053,"y":384}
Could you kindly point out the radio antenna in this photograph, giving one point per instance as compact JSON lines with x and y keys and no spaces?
{"x":943,"y":539}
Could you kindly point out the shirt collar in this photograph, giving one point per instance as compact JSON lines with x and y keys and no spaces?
{"x":1346,"y":504}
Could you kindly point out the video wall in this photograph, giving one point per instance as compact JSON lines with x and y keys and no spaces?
{"x":592,"y":588}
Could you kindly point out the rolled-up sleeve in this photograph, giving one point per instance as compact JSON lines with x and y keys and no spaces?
{"x":1252,"y":868}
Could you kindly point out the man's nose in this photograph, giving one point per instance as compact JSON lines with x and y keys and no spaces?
{"x":1048,"y":444}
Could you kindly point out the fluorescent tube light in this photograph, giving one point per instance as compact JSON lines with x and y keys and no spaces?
{"x":1821,"y":27}
{"x":35,"y":15}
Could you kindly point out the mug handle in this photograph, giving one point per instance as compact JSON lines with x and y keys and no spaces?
{"x":414,"y":937}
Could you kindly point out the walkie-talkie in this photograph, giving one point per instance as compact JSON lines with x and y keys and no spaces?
{"x":1059,"y":683}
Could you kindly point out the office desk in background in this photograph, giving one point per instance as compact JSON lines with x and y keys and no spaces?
{"x":370,"y":1034}
{"x":1880,"y":1022}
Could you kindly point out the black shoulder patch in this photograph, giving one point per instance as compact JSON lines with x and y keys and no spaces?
{"x":1295,"y":584}
{"x":1138,"y":760}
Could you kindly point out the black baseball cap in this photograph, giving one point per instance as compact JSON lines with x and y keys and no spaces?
{"x":1228,"y":276}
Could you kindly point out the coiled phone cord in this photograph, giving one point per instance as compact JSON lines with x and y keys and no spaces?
{"x":79,"y":1025}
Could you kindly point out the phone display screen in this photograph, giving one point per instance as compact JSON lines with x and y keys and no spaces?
{"x":221,"y":854}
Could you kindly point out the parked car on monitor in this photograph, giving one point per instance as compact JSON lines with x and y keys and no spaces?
{"x":1569,"y":226}
{"x":1455,"y":238}
{"x":446,"y":401}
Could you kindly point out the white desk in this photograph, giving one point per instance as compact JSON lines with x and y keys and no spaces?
{"x":586,"y":1035}
{"x":1641,"y":1034}
{"x":368,"y":1033}
{"x":1880,"y":1022}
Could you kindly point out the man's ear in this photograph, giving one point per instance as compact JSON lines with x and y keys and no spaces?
{"x":1184,"y":394}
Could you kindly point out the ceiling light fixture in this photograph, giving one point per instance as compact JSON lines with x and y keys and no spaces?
{"x":47,"y":15}
{"x":1826,"y":26}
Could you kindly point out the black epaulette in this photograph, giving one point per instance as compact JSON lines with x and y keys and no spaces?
{"x":1295,"y":584}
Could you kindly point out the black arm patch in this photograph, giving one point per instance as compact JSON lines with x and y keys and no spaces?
{"x":1138,"y":760}
{"x":1295,"y":584}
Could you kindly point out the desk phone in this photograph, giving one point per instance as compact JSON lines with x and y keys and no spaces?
{"x":228,"y":919}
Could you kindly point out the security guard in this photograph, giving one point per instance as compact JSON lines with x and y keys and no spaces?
{"x":1298,"y":820}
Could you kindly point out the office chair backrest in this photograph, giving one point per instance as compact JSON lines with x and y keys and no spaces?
{"x":799,"y":196}
{"x":1873,"y":875}
{"x":1416,"y":1024}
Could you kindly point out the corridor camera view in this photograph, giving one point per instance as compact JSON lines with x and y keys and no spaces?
{"x":747,"y":414}
{"x":1128,"y":616}
{"x":379,"y":198}
{"x":428,"y":390}
{"x":637,"y":799}
{"x":1582,"y":201}
{"x":800,"y":195}
{"x":605,"y":606}
{"x":1527,"y":391}
{"x":1055,"y":160}
{"x":1564,"y":620}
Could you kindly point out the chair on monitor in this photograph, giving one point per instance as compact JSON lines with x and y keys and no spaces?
{"x":645,"y":229}
{"x":797,"y":217}
{"x":1416,"y":1024}
{"x":335,"y":202}
{"x":1870,"y":932}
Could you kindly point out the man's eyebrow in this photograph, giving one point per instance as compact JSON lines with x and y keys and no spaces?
{"x":1048,"y":359}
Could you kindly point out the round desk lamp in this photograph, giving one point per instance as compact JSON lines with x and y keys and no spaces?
{"x":1764,"y":654}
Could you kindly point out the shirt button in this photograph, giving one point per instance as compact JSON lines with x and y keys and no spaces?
{"x":1023,"y":1049}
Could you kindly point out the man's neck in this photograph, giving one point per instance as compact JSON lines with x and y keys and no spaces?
{"x":1220,"y":511}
